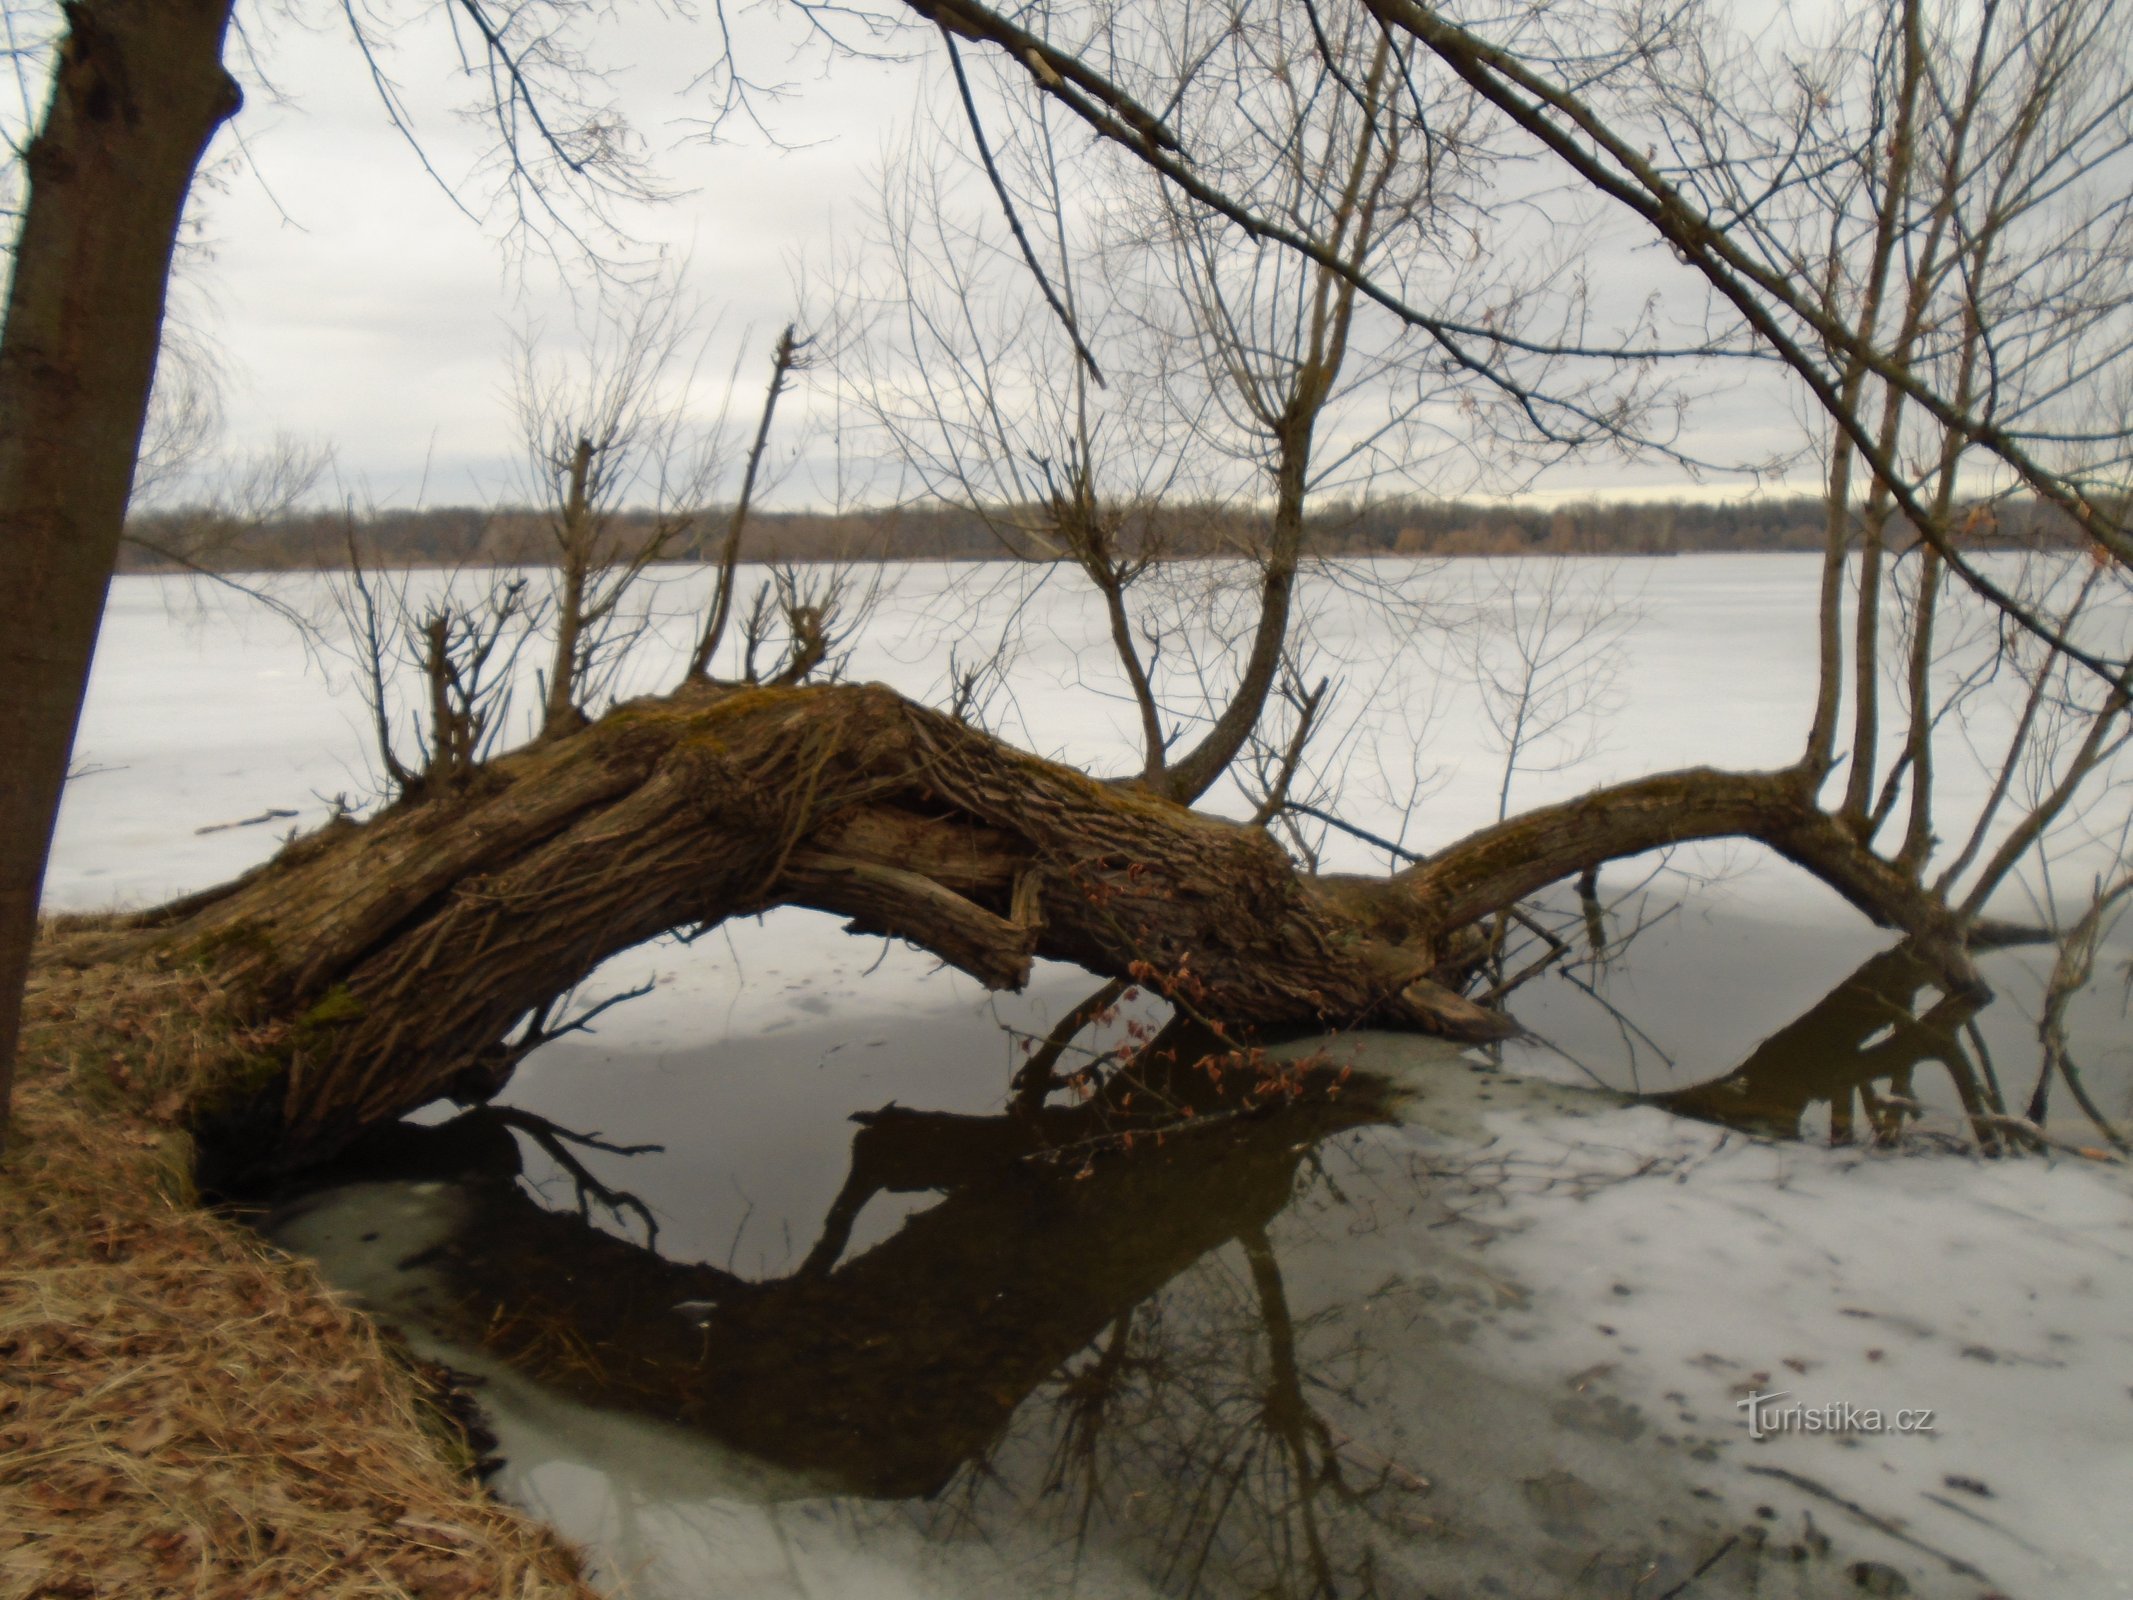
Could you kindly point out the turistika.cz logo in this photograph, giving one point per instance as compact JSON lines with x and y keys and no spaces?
{"x":1769,"y":1417}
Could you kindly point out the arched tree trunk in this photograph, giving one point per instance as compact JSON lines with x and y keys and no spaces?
{"x":389,"y":962}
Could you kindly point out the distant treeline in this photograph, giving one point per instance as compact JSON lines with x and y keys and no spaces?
{"x":454,"y":536}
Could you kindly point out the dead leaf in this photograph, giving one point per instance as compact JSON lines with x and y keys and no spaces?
{"x":148,"y":1434}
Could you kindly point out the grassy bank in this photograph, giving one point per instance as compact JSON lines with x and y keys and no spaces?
{"x":184,"y":1410}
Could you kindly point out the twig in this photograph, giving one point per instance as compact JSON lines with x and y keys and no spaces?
{"x":1014,"y":221}
{"x":1364,"y":834}
{"x":782,"y":363}
{"x":555,"y":1141}
{"x":1709,"y":1562}
{"x":1277,"y":795}
{"x":271,"y":814}
{"x":1035,"y":1079}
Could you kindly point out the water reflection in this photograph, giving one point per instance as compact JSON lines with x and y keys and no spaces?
{"x":1091,"y":1347}
{"x":886,"y":1371}
{"x":1857,"y":1053}
{"x":1037,"y":1280}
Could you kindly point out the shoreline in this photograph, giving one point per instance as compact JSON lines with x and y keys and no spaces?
{"x":186,"y":1410}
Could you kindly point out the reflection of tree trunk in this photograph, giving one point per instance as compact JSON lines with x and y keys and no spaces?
{"x":888,"y":1371}
{"x":1865,"y":1028}
{"x":900,"y":1151}
{"x":395,"y":958}
{"x":137,"y":91}
{"x":1303,"y":1434}
{"x":1088,"y":1399}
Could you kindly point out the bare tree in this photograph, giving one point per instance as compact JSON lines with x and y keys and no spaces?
{"x":1976,"y":286}
{"x":77,"y":359}
{"x":102,"y":198}
{"x":1544,"y":650}
{"x":227,"y":502}
{"x":784,"y":360}
{"x":1065,"y":466}
{"x":610,"y":428}
{"x":1283,"y":345}
{"x":1907,"y":225}
{"x":1237,"y":385}
{"x":435,"y":656}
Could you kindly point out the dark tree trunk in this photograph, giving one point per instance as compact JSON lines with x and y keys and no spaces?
{"x":395,"y":961}
{"x":137,"y":91}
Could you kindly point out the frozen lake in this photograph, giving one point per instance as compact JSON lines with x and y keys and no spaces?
{"x":1471,"y":1333}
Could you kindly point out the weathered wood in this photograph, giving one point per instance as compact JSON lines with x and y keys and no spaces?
{"x":403,"y":955}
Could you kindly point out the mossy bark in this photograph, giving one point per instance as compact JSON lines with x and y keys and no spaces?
{"x":402,"y":956}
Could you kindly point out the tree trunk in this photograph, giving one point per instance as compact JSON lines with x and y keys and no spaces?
{"x":137,"y":91}
{"x":575,"y":538}
{"x":1197,"y":771}
{"x":391,"y":962}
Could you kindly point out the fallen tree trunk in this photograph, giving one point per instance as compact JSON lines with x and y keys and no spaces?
{"x":375,"y":966}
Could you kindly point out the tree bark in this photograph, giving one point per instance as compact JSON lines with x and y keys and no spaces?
{"x":1194,"y":773}
{"x":137,"y":91}
{"x":575,"y":538}
{"x":396,"y":961}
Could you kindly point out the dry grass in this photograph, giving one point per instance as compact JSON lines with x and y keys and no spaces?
{"x":157,"y":1045}
{"x":184,"y":1411}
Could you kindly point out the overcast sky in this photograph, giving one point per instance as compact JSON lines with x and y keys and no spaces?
{"x":353,"y":305}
